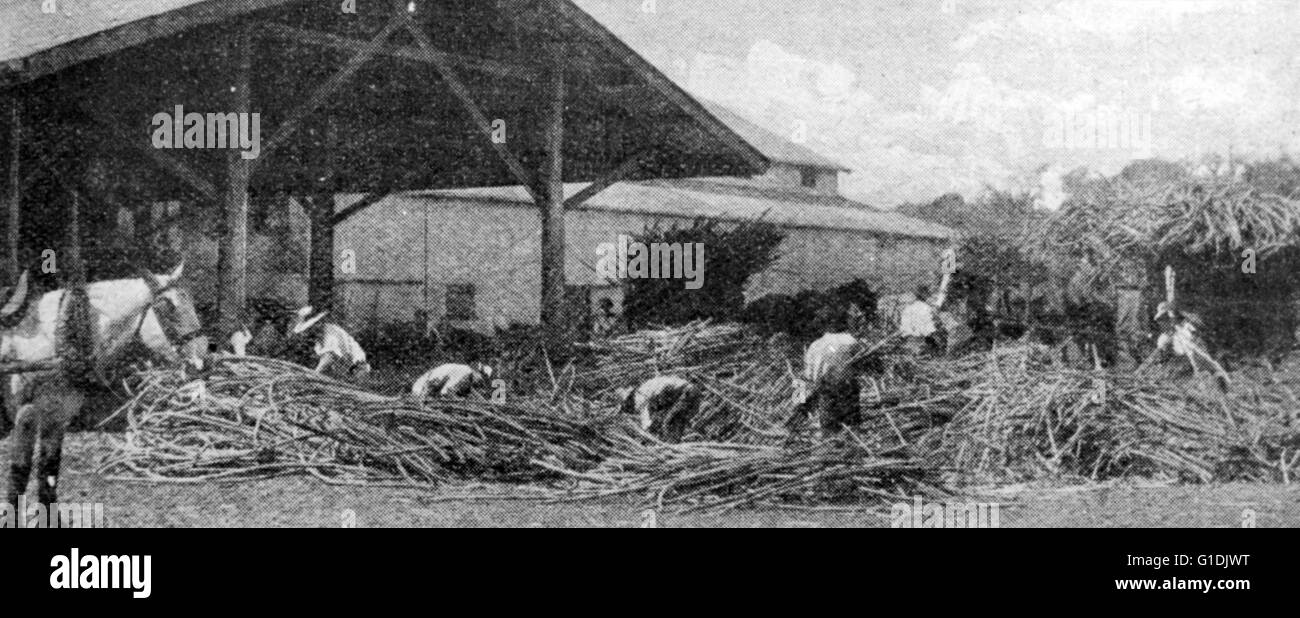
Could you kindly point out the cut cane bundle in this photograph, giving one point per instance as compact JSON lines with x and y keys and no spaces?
{"x":258,"y":417}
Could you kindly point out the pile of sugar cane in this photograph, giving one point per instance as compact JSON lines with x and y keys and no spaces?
{"x":741,"y":450}
{"x":255,"y":417}
{"x":1010,"y":414}
{"x":633,"y":358}
{"x":1017,"y":413}
{"x":715,"y":477}
{"x":748,"y":383}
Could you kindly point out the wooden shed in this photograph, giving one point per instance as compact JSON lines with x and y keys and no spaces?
{"x":395,"y":96}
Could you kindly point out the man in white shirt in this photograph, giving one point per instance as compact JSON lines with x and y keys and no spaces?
{"x":663,"y":406}
{"x":829,"y":388}
{"x":917,"y":323}
{"x":1179,"y":336}
{"x":339,"y":354}
{"x":452,"y":380}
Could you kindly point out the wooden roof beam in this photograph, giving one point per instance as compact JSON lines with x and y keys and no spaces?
{"x":180,"y":170}
{"x":364,"y":54}
{"x":166,"y":161}
{"x":440,"y":60}
{"x":609,"y":179}
{"x":333,"y":41}
{"x":366,"y":201}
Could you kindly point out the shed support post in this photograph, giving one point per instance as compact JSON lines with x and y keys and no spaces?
{"x":14,"y":191}
{"x":552,"y":202}
{"x":320,"y":208}
{"x":76,"y":275}
{"x":234,"y":238}
{"x":320,"y":288}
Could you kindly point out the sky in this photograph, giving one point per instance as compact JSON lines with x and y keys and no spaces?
{"x":926,"y":97}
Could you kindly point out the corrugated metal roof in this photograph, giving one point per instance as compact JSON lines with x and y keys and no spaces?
{"x":772,"y":145}
{"x":666,"y":200}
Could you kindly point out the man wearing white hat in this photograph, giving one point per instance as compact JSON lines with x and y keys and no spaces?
{"x":338,"y":353}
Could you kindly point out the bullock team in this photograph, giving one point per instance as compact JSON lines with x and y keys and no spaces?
{"x":124,"y":320}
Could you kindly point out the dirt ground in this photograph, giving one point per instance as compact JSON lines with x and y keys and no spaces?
{"x":304,"y":502}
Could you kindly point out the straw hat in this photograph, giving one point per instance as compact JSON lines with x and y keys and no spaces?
{"x":301,"y":321}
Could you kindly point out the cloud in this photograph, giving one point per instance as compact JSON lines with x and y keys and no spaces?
{"x":1204,"y":89}
{"x":959,"y":138}
{"x":1209,"y":75}
{"x":977,"y":33}
{"x":973,"y":96}
{"x":1124,"y":18}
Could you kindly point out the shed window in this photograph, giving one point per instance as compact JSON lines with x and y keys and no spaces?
{"x":808,"y":176}
{"x":460,"y":301}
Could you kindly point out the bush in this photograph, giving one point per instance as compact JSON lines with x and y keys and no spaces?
{"x":856,"y":293}
{"x":810,"y":313}
{"x":399,"y":344}
{"x":732,"y":255}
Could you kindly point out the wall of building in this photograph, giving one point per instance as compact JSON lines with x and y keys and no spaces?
{"x":791,"y":176}
{"x":821,"y":259}
{"x":409,"y":249}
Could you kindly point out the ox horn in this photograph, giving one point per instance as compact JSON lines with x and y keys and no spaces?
{"x":17,"y":298}
{"x":154,"y":282}
{"x":161,"y":282}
